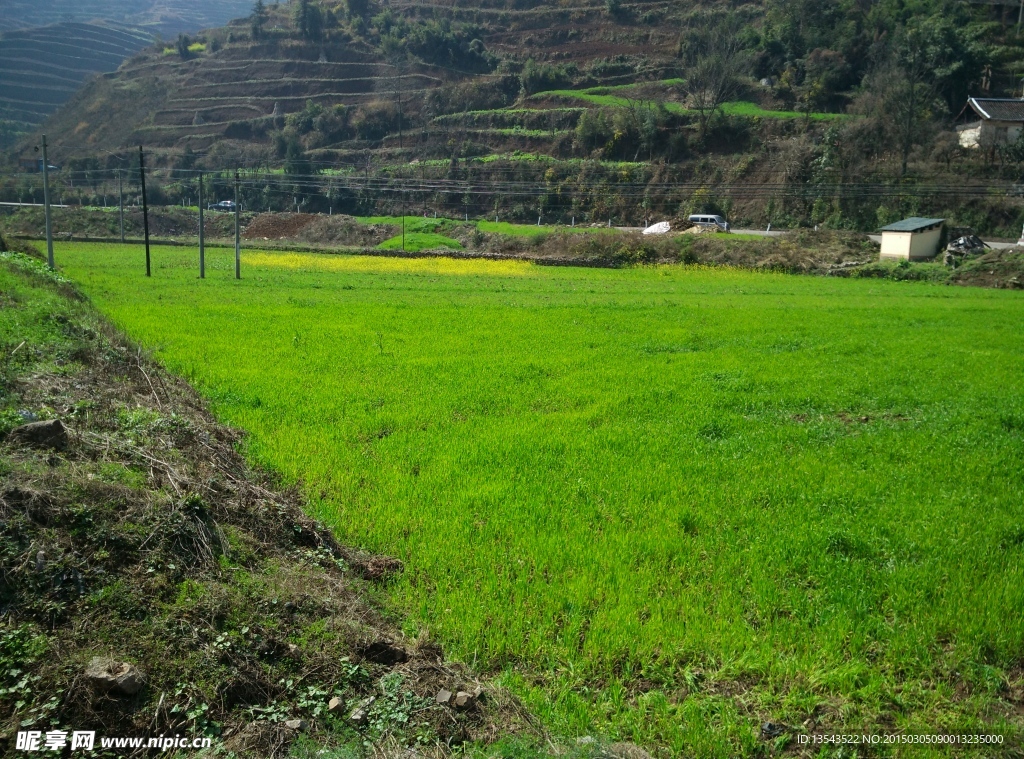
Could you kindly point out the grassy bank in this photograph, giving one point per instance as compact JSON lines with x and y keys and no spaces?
{"x":666,"y":503}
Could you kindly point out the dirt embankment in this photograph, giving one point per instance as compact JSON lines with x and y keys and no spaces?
{"x":997,"y":268}
{"x":168,"y":222}
{"x":317,"y":229}
{"x":153,"y":584}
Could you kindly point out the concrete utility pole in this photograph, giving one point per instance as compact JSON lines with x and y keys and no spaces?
{"x":120,"y":206}
{"x":238,"y":236}
{"x":202,"y":239}
{"x":46,"y":206}
{"x":145,"y":206}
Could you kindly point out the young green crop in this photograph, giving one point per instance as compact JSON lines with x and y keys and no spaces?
{"x":417,"y":241}
{"x":667,"y":503}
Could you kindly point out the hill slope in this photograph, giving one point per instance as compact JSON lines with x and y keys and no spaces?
{"x":40,"y":69}
{"x":167,"y":17}
{"x":568,"y":110}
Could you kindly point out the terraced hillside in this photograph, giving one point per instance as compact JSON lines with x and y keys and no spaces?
{"x":166,"y":17}
{"x":597,"y":106}
{"x":234,"y":94}
{"x":42,"y":68}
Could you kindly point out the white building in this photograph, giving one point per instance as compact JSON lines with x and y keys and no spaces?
{"x":913,"y":239}
{"x":999,"y":122}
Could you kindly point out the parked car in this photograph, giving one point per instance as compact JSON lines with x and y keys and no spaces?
{"x":224,"y":205}
{"x":709,"y":220}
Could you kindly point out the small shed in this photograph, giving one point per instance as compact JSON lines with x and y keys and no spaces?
{"x":913,"y":239}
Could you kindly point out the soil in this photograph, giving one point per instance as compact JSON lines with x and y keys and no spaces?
{"x":277,"y":226}
{"x":346,"y":230}
{"x":147,"y":540}
{"x":317,"y":229}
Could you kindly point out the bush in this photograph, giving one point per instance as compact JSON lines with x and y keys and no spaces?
{"x":375,"y":120}
{"x":539,"y":77}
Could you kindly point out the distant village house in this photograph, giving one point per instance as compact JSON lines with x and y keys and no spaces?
{"x":999,"y":122}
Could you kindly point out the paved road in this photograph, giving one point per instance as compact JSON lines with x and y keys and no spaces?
{"x":760,"y":232}
{"x":779,"y":232}
{"x":991,"y":243}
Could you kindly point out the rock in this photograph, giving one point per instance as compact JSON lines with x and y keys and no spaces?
{"x":383,"y":652}
{"x":772,"y":730}
{"x":48,"y":434}
{"x":334,"y":705}
{"x":361,"y":713}
{"x":443,"y":697}
{"x":299,"y":725}
{"x":110,"y":676}
{"x":464,"y":700}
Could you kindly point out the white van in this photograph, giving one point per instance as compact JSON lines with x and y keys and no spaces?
{"x":709,"y":220}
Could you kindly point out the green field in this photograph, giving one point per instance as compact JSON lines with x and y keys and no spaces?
{"x":663,"y":504}
{"x":599,"y":96}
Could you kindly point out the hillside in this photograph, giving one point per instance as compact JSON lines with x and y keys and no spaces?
{"x":766,"y":111}
{"x":232,"y":95}
{"x":166,"y":17}
{"x":40,"y":69}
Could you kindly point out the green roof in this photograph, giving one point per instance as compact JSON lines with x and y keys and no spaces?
{"x":913,"y":224}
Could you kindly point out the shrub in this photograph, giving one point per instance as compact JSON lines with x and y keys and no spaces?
{"x":375,"y":120}
{"x":538,"y":77}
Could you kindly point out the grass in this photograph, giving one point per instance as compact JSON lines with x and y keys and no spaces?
{"x":598,"y":96}
{"x":663,"y":504}
{"x":417,"y":241}
{"x":433,"y":232}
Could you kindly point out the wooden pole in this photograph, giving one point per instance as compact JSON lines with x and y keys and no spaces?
{"x":120,"y":206}
{"x":238,"y":237}
{"x":202,"y":225}
{"x":46,"y":206}
{"x":145,"y":206}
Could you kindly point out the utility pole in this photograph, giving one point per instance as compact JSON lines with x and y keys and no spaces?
{"x":202,"y":243}
{"x":145,"y":207}
{"x":46,"y":204}
{"x":238,"y":237}
{"x":120,"y":206}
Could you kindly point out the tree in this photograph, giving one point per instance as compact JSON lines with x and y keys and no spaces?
{"x":904,"y":91}
{"x":257,"y":19}
{"x":715,"y":58}
{"x":309,"y":20}
{"x":357,"y":8}
{"x":182,"y":45}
